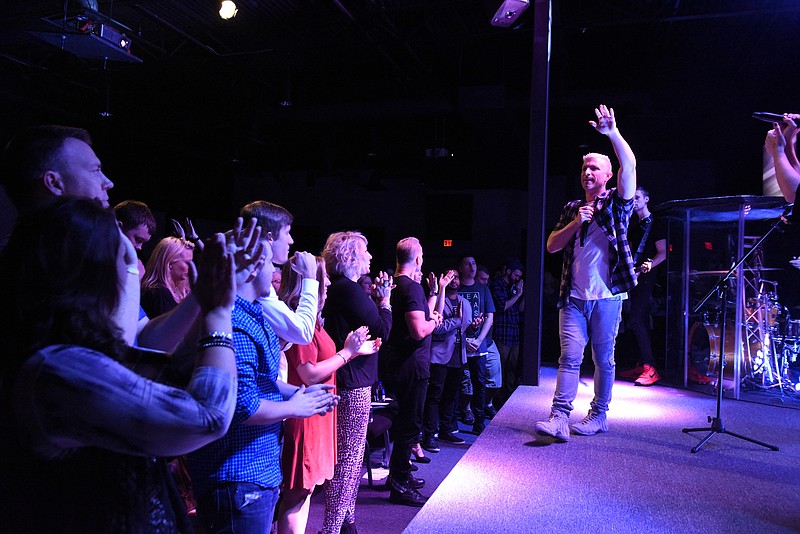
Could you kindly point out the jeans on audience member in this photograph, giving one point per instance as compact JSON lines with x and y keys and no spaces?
{"x":440,"y":402}
{"x":576,"y":320}
{"x":477,"y":372}
{"x":238,"y":507}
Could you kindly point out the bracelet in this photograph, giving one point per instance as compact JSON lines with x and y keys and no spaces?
{"x":193,"y":239}
{"x":216,"y":339}
{"x":339,"y":354}
{"x":133,"y":269}
{"x":385,"y":306}
{"x":208,"y":343}
{"x":434,"y":294}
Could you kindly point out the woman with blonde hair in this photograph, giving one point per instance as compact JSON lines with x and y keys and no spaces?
{"x":166,"y":279}
{"x":348,"y":307}
{"x":309,"y":447}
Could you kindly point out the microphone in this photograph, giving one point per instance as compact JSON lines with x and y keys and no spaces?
{"x":585,"y":224}
{"x":768,"y":117}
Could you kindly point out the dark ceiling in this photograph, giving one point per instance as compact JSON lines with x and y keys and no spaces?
{"x":374,"y":83}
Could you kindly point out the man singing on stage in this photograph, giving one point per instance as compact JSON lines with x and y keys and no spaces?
{"x":596,"y":273}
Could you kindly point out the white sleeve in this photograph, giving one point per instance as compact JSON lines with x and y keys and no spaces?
{"x":294,"y":326}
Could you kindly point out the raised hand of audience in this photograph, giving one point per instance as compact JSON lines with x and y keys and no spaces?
{"x":214,"y":284}
{"x":383,"y":287}
{"x":304,"y":264}
{"x":188,"y":233}
{"x":247,"y":249}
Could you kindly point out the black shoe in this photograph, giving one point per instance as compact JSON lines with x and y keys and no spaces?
{"x":467,"y":418}
{"x":417,"y":457}
{"x":449,"y":437}
{"x":430,"y":445}
{"x":348,"y":528}
{"x":411,"y":483}
{"x":415,"y":468}
{"x":410,"y":497}
{"x":490,"y":412}
{"x":477,"y":429}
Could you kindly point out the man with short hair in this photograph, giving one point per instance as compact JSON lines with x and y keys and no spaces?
{"x":291,"y":326}
{"x":596,"y":273}
{"x":137,"y":224}
{"x":45,"y":161}
{"x":42,"y":162}
{"x":649,"y":248}
{"x":236,"y":479}
{"x":507,"y":294}
{"x":408,"y":359}
{"x":480,"y":299}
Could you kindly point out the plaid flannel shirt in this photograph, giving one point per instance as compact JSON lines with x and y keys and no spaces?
{"x":247,"y":453}
{"x":612,"y":215}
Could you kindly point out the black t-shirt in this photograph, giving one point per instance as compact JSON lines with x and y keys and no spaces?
{"x":636,"y":231}
{"x":347,"y":307}
{"x":405,"y":355}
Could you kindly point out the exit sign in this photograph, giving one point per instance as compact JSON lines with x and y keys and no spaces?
{"x":447,"y":243}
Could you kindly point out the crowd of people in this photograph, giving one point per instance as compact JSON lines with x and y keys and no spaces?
{"x":206,"y":377}
{"x":258,"y":381}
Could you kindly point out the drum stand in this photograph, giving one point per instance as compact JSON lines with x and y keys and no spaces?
{"x":721,"y":290}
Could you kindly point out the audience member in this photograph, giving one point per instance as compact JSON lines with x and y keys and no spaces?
{"x":347,"y":307}
{"x":494,"y":369}
{"x":137,"y":224}
{"x":166,"y":280}
{"x":366,"y":283}
{"x":408,"y":365}
{"x":480,"y":299}
{"x":309,"y":445}
{"x":448,"y":358}
{"x":236,"y":478}
{"x":597,"y":271}
{"x":43,"y":162}
{"x":507,"y":294}
{"x":84,"y":433}
{"x":291,"y":326}
{"x":277,"y":276}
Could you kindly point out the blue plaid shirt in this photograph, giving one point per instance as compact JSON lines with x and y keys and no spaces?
{"x":612,"y":215}
{"x":505,"y":328}
{"x":247,"y":453}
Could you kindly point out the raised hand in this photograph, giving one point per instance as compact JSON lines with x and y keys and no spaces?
{"x":446,"y":278}
{"x":606,"y":123}
{"x":214,"y":284}
{"x":383,"y":286}
{"x":247,"y":249}
{"x":304,"y":264}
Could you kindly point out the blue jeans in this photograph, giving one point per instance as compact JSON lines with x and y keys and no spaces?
{"x":238,"y":507}
{"x":580,"y":322}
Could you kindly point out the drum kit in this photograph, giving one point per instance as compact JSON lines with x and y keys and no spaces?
{"x":769,"y":340}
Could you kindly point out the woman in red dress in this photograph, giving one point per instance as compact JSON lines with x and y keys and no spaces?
{"x":309,"y":448}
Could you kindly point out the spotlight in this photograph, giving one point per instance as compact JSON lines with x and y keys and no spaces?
{"x":124,"y":42}
{"x":509,"y":12}
{"x":227,"y":9}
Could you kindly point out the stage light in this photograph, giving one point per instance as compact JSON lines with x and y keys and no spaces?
{"x":228,"y":9}
{"x":509,"y":12}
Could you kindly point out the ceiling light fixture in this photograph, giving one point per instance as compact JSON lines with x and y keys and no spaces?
{"x":227,"y":9}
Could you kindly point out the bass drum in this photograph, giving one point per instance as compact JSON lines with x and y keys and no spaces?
{"x":704,"y":345}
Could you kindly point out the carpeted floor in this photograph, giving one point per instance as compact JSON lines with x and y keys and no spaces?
{"x":639,"y":477}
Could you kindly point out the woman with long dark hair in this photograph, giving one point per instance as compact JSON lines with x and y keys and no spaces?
{"x":84,"y":435}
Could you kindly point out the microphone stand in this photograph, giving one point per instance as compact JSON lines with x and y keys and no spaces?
{"x":721,"y":290}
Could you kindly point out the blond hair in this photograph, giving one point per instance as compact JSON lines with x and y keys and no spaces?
{"x":167,"y":251}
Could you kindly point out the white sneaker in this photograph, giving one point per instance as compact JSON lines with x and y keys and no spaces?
{"x":557,"y":426}
{"x":593,"y":423}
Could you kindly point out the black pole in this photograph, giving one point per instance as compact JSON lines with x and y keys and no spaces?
{"x":537,"y":186}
